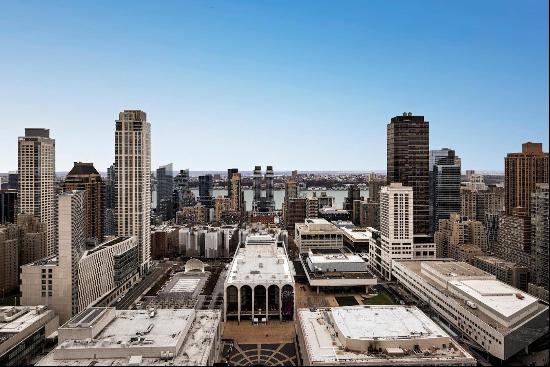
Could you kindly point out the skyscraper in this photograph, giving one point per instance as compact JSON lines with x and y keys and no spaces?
{"x":522,"y":172}
{"x":237,"y":194}
{"x":183,"y":197}
{"x":165,"y":191}
{"x":230,"y":172}
{"x":444,"y":185}
{"x":8,"y":206}
{"x":83,"y":176}
{"x":36,"y":167}
{"x":133,"y":180}
{"x":408,"y":163}
{"x":263,"y":204}
{"x":206,"y":192}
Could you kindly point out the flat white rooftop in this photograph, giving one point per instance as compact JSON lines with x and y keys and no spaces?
{"x":357,"y":234}
{"x":192,"y":332}
{"x":260,"y":261}
{"x":15,"y":319}
{"x":376,"y":335}
{"x":385,"y":323}
{"x":336,"y":258}
{"x":495,"y":295}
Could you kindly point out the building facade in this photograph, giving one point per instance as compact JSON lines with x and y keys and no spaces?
{"x":133,"y":173}
{"x":522,"y":172}
{"x":408,"y":163}
{"x":83,"y":176}
{"x":444,"y":185}
{"x":36,"y":167}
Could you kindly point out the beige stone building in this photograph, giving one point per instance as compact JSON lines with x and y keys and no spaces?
{"x":457,"y":232}
{"x":36,"y":167}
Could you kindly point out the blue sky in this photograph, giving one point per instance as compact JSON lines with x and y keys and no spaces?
{"x":306,"y":85}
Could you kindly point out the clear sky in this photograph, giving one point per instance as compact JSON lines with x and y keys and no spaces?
{"x":307,"y":85}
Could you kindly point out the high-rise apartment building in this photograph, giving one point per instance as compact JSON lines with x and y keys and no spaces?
{"x":110,"y":227}
{"x":36,"y":167}
{"x":539,"y":236}
{"x":354,"y":193}
{"x":514,"y":237}
{"x":20,"y":244}
{"x":133,"y":180}
{"x":444,"y":185}
{"x":456,"y":234}
{"x":396,"y":224}
{"x":408,"y":163}
{"x":522,"y":172}
{"x":183,"y":197}
{"x":396,"y":240}
{"x":263,"y":205}
{"x":230,"y":173}
{"x":83,"y":176}
{"x":165,"y":192}
{"x":238,"y":204}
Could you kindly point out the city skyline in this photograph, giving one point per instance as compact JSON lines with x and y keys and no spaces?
{"x":339,"y":78}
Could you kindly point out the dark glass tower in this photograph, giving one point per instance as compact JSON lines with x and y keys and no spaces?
{"x":408,"y":162}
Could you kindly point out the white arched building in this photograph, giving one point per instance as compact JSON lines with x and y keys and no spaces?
{"x":260,"y":283}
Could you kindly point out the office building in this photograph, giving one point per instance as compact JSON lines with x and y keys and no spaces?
{"x":110,"y":202}
{"x":375,"y":336}
{"x":260,"y":284}
{"x":539,"y":236}
{"x":165,"y":192}
{"x":36,"y":167}
{"x":498,"y":318}
{"x":408,"y":164}
{"x":295,"y":210}
{"x":23,"y":333}
{"x":206,"y":193}
{"x":523,"y":171}
{"x":8,"y":206}
{"x":444,"y":185}
{"x":108,"y":337}
{"x":133,"y":180}
{"x":83,"y":176}
{"x":317,"y":234}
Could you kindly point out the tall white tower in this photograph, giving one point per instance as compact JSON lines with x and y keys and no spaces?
{"x":396,"y":225}
{"x":133,"y":180}
{"x":36,"y":164}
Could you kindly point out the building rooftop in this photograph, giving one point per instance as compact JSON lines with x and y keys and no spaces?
{"x":46,"y":261}
{"x":335,"y":256}
{"x":357,"y":234}
{"x":496,"y":303}
{"x":260,"y":261}
{"x":135,"y":335}
{"x":389,"y":335}
{"x":317,"y":226}
{"x":15,"y":319}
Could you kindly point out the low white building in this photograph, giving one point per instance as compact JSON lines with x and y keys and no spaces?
{"x":499,"y":318}
{"x":23,"y":333}
{"x":105,"y":336}
{"x":375,"y":335}
{"x":317,"y":233}
{"x":336,"y":268}
{"x":260,"y":283}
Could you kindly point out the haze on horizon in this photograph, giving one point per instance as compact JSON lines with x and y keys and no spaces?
{"x":306,"y":85}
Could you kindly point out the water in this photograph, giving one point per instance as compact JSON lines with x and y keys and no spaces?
{"x":279,"y":195}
